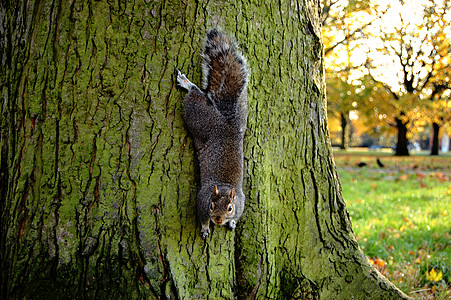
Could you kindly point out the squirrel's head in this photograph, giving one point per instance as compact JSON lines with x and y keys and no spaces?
{"x":222,"y":205}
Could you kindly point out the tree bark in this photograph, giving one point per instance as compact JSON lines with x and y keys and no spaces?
{"x":435,"y":138}
{"x":344,"y":123}
{"x":402,"y":141}
{"x":98,"y":176}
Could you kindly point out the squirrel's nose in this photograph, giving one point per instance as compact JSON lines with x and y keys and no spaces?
{"x":218,"y":220}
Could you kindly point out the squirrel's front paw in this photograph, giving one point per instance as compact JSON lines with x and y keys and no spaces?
{"x":205,"y":232}
{"x":183,"y":81}
{"x":205,"y":229}
{"x":232,"y":224}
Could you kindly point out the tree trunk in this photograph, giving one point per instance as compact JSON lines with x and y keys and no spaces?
{"x":435,"y":138}
{"x":402,"y":142}
{"x":344,"y":123}
{"x":98,"y":176}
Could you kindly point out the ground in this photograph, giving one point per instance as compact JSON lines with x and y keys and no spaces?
{"x":400,"y":213}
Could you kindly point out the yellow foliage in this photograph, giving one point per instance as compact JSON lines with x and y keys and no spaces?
{"x":389,"y":71}
{"x":432,"y":275}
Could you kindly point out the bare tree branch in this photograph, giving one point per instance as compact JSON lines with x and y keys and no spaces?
{"x":352,"y":34}
{"x":386,"y":86}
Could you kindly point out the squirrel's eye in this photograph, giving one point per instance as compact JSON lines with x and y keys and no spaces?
{"x":212,"y":206}
{"x":230,"y":208}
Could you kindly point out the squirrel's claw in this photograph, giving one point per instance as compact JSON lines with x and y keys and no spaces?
{"x":205,"y":233}
{"x":232,"y":224}
{"x":205,"y":229}
{"x":183,"y":81}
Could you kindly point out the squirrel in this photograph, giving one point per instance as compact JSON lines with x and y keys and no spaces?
{"x":216,"y":117}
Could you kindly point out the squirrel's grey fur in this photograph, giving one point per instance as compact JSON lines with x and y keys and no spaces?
{"x":217,"y":117}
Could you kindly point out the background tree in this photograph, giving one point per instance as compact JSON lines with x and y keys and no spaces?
{"x":343,"y":25}
{"x":438,"y":90}
{"x":98,"y":180}
{"x":342,"y":99}
{"x":415,"y":52}
{"x":437,"y":110}
{"x":345,"y":21}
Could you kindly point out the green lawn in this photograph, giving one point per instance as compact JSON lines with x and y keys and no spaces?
{"x":401,"y":215}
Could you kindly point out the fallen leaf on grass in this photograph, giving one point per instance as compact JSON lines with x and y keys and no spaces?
{"x":383,"y":235}
{"x":413,"y":166}
{"x":377,"y":262}
{"x":441,"y":177}
{"x":432,"y":275}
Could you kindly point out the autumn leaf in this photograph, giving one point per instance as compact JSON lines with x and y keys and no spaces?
{"x":403,"y":177}
{"x":441,"y":177}
{"x":422,"y":253}
{"x":432,"y":275}
{"x":377,"y":262}
{"x":383,"y":235}
{"x":380,"y":263}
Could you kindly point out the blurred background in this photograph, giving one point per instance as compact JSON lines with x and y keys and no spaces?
{"x":388,"y":74}
{"x":388,"y":67}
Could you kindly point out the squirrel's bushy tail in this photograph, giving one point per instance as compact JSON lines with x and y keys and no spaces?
{"x":225,"y":71}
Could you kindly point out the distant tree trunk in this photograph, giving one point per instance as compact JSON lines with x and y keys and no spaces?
{"x":435,"y":138}
{"x":344,"y":123}
{"x":402,"y":141}
{"x":98,"y":176}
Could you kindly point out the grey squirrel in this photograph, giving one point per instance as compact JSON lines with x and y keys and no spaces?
{"x":217,"y":117}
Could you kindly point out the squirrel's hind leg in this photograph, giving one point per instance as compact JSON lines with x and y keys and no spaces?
{"x":183,"y":81}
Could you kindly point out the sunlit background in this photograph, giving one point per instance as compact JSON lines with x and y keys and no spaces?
{"x":389,"y":113}
{"x":388,"y":60}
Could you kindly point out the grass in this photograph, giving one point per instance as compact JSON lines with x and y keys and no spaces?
{"x":401,"y":215}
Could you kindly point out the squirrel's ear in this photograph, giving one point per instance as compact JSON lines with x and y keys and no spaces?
{"x":232,"y":193}
{"x":215,"y":190}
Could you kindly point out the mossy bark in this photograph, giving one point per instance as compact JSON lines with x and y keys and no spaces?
{"x":98,"y":175}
